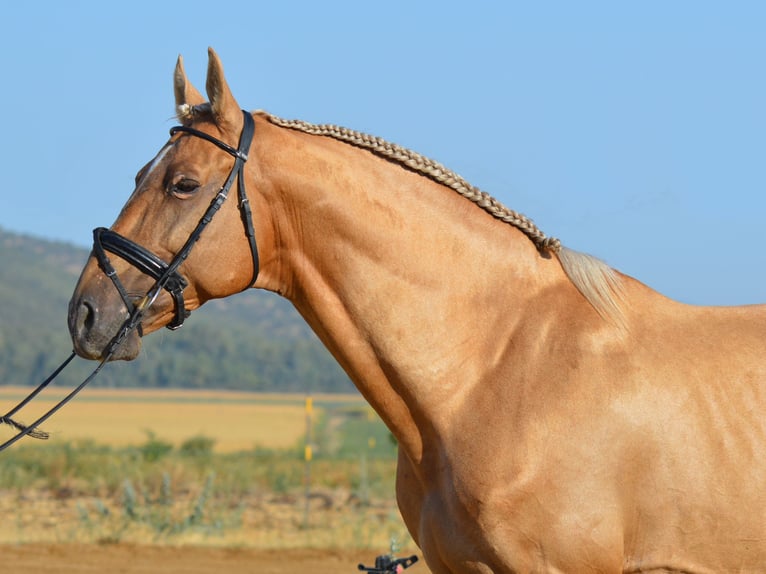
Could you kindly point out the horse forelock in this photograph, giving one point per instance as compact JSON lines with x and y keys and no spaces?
{"x":598,"y":283}
{"x":187,"y":113}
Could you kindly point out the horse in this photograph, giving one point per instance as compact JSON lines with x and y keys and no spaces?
{"x":552,"y":414}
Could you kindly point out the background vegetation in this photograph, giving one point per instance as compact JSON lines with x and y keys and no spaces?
{"x":157,"y":491}
{"x":253,"y":341}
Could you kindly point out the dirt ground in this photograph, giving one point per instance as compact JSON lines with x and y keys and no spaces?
{"x":130,"y":559}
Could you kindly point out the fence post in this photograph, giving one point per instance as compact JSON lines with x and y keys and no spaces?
{"x":307,"y":456}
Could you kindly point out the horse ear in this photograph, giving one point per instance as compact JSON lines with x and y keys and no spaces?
{"x":187,"y":95}
{"x":224,"y":106}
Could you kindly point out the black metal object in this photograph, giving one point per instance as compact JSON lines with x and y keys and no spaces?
{"x":387,"y":564}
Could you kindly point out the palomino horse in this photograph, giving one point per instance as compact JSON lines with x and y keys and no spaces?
{"x":552,"y":414}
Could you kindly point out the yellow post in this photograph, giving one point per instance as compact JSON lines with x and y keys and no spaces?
{"x":307,"y":456}
{"x":371,"y":419}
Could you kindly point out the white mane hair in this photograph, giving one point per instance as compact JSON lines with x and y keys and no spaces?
{"x":600,"y":284}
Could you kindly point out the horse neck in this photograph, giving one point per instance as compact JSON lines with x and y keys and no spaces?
{"x":412,"y":288}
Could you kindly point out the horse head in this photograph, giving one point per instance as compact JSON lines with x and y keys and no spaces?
{"x":177,"y":242}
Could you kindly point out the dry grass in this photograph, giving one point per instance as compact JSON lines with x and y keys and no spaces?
{"x":119,"y":417}
{"x":334,"y":520}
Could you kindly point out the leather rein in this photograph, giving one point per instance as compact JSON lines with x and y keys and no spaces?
{"x":166,"y":275}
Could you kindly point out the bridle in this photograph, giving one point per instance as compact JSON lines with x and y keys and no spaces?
{"x":166,"y":275}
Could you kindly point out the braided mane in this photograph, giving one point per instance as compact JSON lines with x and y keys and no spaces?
{"x":593,"y":278}
{"x":430,"y":169}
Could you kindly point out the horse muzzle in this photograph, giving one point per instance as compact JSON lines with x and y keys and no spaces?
{"x":94,"y":323}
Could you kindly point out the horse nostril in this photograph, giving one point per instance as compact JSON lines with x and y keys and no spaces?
{"x":87,"y":315}
{"x":82,"y":318}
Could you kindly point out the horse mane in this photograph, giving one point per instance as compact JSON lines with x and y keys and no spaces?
{"x":597,"y":282}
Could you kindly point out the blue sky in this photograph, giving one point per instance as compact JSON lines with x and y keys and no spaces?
{"x":634,"y":131}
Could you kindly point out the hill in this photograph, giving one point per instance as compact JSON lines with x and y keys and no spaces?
{"x":252,"y":341}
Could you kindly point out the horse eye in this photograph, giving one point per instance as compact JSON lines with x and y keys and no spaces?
{"x":184,"y":186}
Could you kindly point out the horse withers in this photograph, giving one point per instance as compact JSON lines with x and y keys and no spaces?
{"x":552,"y":414}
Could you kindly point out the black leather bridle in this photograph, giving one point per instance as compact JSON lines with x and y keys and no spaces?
{"x":165,"y":275}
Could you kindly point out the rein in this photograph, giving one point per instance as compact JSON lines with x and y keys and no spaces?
{"x":130,"y":323}
{"x":166,"y":275}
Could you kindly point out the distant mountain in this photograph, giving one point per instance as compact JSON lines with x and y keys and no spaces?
{"x":252,"y":341}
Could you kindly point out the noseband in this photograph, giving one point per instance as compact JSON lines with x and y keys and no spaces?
{"x":166,"y":275}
